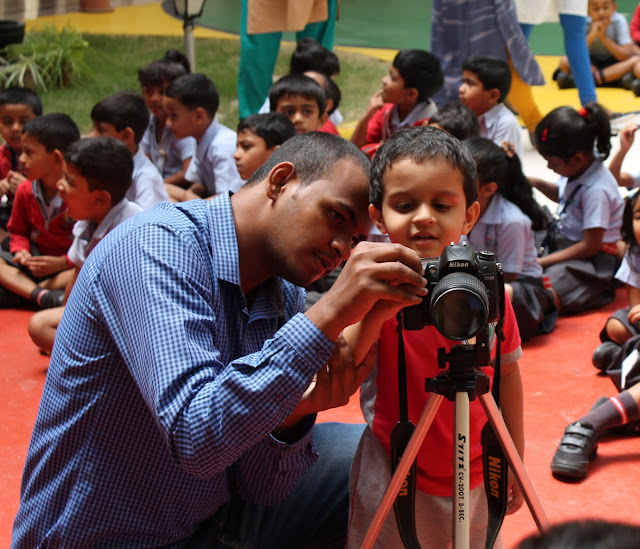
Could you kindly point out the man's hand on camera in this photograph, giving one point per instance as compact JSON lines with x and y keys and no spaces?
{"x":374,"y":272}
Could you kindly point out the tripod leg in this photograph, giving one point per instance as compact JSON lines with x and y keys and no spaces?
{"x":410,"y":453}
{"x":460,"y":509}
{"x":530,"y":496}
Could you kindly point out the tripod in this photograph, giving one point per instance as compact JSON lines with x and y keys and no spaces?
{"x":460,"y":383}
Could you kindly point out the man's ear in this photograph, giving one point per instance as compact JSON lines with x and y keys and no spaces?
{"x":278,"y":177}
{"x":471,"y":217}
{"x":378,"y":220}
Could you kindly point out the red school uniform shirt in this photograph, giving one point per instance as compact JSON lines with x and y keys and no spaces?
{"x":33,"y":221}
{"x":435,"y":458}
{"x":5,"y":160}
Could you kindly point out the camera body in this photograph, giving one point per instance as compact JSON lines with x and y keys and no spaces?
{"x":466,"y":289}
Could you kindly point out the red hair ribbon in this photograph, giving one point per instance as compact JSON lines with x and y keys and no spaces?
{"x":543,"y":137}
{"x":583,"y":112}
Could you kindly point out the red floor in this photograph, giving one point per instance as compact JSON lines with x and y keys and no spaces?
{"x":560,"y":385}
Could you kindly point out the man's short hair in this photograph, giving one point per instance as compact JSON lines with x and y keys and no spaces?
{"x":458,"y":119}
{"x":195,"y":91}
{"x":124,"y":109}
{"x":314,"y":155}
{"x":421,"y":145}
{"x":54,"y":131}
{"x":297,"y":84}
{"x":17,"y":95}
{"x":421,"y":70}
{"x":494,"y":73}
{"x":105,"y":162}
{"x":273,"y":127}
{"x":159,"y":72}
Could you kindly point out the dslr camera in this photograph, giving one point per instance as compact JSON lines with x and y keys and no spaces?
{"x":466,"y":290}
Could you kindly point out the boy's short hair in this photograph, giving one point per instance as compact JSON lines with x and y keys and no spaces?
{"x":273,"y":127}
{"x":422,"y":144}
{"x":333,"y":92}
{"x":158,"y":72}
{"x":421,"y":70}
{"x":314,"y":155}
{"x":494,"y":73}
{"x":457,"y":119}
{"x":17,"y":95}
{"x":297,"y":84}
{"x":195,"y":91}
{"x":105,"y":162}
{"x":124,"y":109}
{"x":53,"y":131}
{"x":310,"y":55}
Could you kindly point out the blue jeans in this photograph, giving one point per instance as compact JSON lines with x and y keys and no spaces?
{"x":575,"y":46}
{"x":315,"y":514}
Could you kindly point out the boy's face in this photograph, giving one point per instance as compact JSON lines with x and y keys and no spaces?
{"x":106,"y":129}
{"x":13,"y":117}
{"x":153,"y":95}
{"x":302,"y":111}
{"x":182,"y":121}
{"x":36,"y":161}
{"x":251,"y":153}
{"x":393,"y":87}
{"x":473,"y":95}
{"x":601,"y":10}
{"x":424,"y":206}
{"x":73,"y":188}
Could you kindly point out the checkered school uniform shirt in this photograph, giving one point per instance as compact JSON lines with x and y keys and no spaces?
{"x":163,"y":388}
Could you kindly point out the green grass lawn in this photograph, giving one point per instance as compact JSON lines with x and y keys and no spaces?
{"x":115,"y":60}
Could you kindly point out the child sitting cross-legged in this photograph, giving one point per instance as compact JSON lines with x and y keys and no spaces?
{"x":424,"y":196}
{"x":404,"y":100}
{"x":486,"y":81}
{"x":124,"y":115}
{"x":191,"y":103}
{"x":97,"y":174}
{"x":37,"y":267}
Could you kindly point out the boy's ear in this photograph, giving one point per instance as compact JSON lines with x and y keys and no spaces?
{"x":471,"y":217}
{"x":128,"y":135}
{"x":201,"y":115}
{"x":328,"y":106}
{"x":278,"y":177}
{"x":493,"y":95}
{"x":102,"y":198}
{"x":376,"y":216}
{"x":58,"y":157}
{"x":412,"y":93}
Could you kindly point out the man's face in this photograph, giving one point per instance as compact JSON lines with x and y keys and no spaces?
{"x":181,"y":120}
{"x":302,"y":111}
{"x":36,"y":161}
{"x":424,"y":206}
{"x":251,"y":153}
{"x":318,"y":225}
{"x":12,"y":120}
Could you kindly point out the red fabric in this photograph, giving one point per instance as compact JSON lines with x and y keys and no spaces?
{"x":379,"y":128}
{"x":329,"y":127}
{"x":634,"y":26}
{"x":27,"y":224}
{"x":5,"y":160}
{"x":421,"y":348}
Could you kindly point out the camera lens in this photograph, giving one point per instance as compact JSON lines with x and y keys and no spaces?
{"x":459,"y":306}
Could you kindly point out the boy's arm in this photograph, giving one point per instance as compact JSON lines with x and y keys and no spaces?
{"x":511,"y":406}
{"x":359,"y":136}
{"x":47,"y":265}
{"x":615,"y":166}
{"x":178,"y":177}
{"x":622,"y":51}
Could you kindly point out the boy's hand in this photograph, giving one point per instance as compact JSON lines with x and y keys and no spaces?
{"x":14,"y":179}
{"x":627,"y":136}
{"x":21,"y":257}
{"x":375,"y":103}
{"x":599,"y":28}
{"x":515,"y":497}
{"x":634,"y":314}
{"x":45,"y":265}
{"x":4,"y":186}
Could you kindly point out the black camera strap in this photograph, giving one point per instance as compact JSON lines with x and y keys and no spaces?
{"x":404,"y":506}
{"x":495,"y":465}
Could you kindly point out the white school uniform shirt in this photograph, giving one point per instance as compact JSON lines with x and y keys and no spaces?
{"x":629,"y":271}
{"x":147,"y":186}
{"x":499,"y":124}
{"x":87,"y":234}
{"x":213,"y":165}
{"x":541,"y":11}
{"x":169,"y":154}
{"x":506,"y":231}
{"x":597,"y":204}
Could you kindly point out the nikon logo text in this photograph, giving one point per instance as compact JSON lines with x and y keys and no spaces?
{"x":459,"y":264}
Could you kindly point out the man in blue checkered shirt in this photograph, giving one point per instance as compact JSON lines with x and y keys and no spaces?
{"x":181,"y":397}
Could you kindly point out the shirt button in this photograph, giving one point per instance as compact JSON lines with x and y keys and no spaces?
{"x":278,"y":397}
{"x":323,"y":355}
